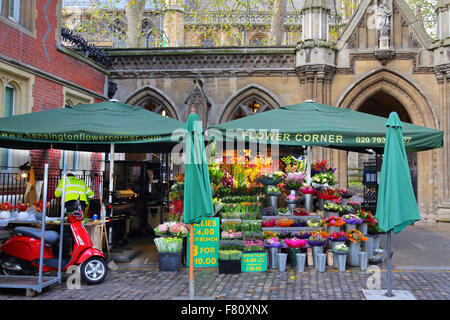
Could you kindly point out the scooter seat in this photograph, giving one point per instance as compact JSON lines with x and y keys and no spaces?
{"x":50,"y":237}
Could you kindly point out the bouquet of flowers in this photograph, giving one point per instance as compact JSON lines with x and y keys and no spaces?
{"x":283,"y":222}
{"x":272,"y":243}
{"x":345,"y":194}
{"x":365,"y":216}
{"x":328,"y":194}
{"x":334,"y":221}
{"x":351,"y":219}
{"x":354,"y":204}
{"x":294,"y":180}
{"x":326,"y":178}
{"x":334,"y":207}
{"x":175,"y":229}
{"x":268,"y":223}
{"x":295,"y":242}
{"x":283,"y":211}
{"x":6,"y":206}
{"x":175,"y":210}
{"x":284,"y":234}
{"x":314,"y":222}
{"x":321,"y":167}
{"x":374,"y":228}
{"x":341,"y":248}
{"x":291,"y":198}
{"x":337,"y":236}
{"x":253,"y":246}
{"x":355,"y":236}
{"x":300,"y":212}
{"x":230,"y":225}
{"x":303,"y":234}
{"x":22,"y":207}
{"x":269,"y":234}
{"x":269,"y":178}
{"x":273,"y":191}
{"x":299,"y":223}
{"x":307,"y":190}
{"x":347,"y":209}
{"x":168,"y":244}
{"x":230,"y":234}
{"x":269,"y":211}
{"x":316,"y":240}
{"x":230,"y":254}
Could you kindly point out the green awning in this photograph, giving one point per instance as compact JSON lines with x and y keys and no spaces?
{"x":315,"y":124}
{"x":91,"y":127}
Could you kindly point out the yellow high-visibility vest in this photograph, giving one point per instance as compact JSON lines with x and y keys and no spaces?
{"x":74,"y":188}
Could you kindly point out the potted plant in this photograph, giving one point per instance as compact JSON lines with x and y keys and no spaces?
{"x":273,"y":191}
{"x":351,"y":221}
{"x":5,"y":210}
{"x":299,"y":223}
{"x":284,"y":222}
{"x":271,"y":178}
{"x":355,"y":237}
{"x":366,"y":218}
{"x":331,"y":209}
{"x":334,"y":223}
{"x":314,"y":222}
{"x":229,"y":261}
{"x":340,"y":256}
{"x":284,"y":212}
{"x":272,"y":244}
{"x":269,"y":211}
{"x":230,"y":234}
{"x":303,"y":234}
{"x":293,"y":180}
{"x":336,"y":238}
{"x":169,"y":253}
{"x":300,"y":212}
{"x":268,"y":223}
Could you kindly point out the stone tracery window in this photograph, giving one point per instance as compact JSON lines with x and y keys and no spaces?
{"x":155,"y":106}
{"x":250,"y":105}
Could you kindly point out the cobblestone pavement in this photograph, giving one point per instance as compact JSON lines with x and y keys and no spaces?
{"x":150,"y":284}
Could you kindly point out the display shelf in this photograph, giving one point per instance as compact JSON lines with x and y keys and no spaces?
{"x":293,"y":217}
{"x":291,"y":229}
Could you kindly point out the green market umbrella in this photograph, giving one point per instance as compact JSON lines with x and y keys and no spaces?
{"x":396,"y":203}
{"x":313,"y":124}
{"x":197,"y":188}
{"x":90,"y":127}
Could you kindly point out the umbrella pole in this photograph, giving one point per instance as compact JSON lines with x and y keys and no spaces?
{"x":111,"y":186}
{"x":308,"y":165}
{"x":389,"y":280}
{"x":191,"y":262}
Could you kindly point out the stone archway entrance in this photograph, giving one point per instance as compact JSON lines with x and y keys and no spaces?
{"x":382,"y":91}
{"x":382,"y":104}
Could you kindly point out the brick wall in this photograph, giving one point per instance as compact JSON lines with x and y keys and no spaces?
{"x":41,"y":53}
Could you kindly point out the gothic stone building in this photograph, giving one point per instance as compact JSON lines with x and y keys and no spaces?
{"x":383,"y":61}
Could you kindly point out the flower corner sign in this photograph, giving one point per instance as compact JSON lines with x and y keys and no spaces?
{"x":206,"y":244}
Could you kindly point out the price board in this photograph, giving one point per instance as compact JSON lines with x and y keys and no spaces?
{"x":254,"y":262}
{"x":206,"y":244}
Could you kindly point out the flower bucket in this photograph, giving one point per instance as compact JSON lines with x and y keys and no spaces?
{"x":376,"y":242}
{"x":282,"y":258}
{"x":273,"y":202}
{"x":363,"y":260}
{"x":291,"y":207}
{"x":321,"y":261}
{"x":169,"y":261}
{"x":315,"y":251}
{"x":340,"y":259}
{"x":229,"y":266}
{"x":292,"y":256}
{"x":353,"y":257}
{"x":273,"y":258}
{"x":363,"y":227}
{"x":333,"y":244}
{"x":321,"y":204}
{"x":332,"y":229}
{"x":349,"y":227}
{"x":368,"y":246}
{"x":308,"y":202}
{"x":301,"y":260}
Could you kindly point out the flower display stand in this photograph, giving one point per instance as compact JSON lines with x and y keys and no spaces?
{"x":229,"y":266}
{"x":169,"y":261}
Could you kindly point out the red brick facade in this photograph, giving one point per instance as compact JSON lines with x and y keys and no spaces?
{"x":53,"y":69}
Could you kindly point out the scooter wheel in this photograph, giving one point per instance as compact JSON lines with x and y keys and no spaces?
{"x":93,"y":270}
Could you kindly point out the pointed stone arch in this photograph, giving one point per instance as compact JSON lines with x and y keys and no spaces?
{"x":238,"y":102}
{"x":156,"y":99}
{"x":421,"y":112}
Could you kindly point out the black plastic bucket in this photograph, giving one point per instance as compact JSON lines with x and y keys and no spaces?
{"x":169,"y":261}
{"x":229,"y":266}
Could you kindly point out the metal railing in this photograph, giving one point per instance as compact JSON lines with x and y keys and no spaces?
{"x":13,"y":185}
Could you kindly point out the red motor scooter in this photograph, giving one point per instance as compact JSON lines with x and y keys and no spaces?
{"x":20,"y":253}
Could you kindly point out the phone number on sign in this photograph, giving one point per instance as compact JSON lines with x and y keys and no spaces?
{"x":377,"y":139}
